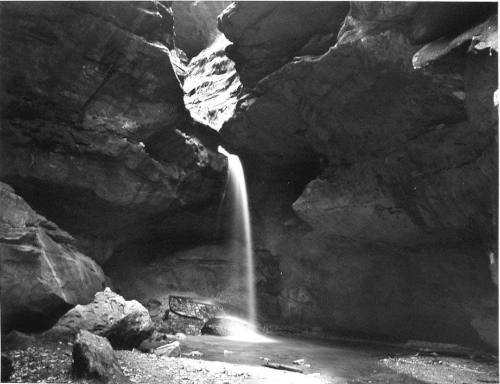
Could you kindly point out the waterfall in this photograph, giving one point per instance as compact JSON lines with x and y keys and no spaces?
{"x":238,"y":193}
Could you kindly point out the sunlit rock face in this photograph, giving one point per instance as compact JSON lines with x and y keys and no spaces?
{"x":42,"y":273}
{"x":196,"y":24}
{"x":266,"y":35}
{"x":400,"y":165}
{"x":93,"y":119}
{"x":212,"y":85}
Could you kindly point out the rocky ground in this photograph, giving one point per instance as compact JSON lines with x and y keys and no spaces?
{"x":51,"y":362}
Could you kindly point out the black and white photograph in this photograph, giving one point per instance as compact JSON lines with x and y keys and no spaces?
{"x":249,"y":192}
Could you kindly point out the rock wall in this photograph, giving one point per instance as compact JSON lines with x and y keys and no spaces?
{"x":373,"y":175}
{"x":371,"y":160}
{"x":208,"y":272}
{"x":94,"y":132}
{"x":42,"y":273}
{"x":95,"y":136}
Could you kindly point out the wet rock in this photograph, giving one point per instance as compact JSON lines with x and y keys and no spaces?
{"x":7,"y":368}
{"x":172,"y":349}
{"x":130,"y":331}
{"x":98,"y":317}
{"x":187,"y":325}
{"x":40,"y":258}
{"x":225,"y":326}
{"x":267,"y":35}
{"x":94,"y":358}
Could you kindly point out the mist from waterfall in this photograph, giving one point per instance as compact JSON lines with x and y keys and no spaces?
{"x":238,"y":194}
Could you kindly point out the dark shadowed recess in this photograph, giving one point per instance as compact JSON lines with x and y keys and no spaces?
{"x":51,"y":309}
{"x":82,"y":212}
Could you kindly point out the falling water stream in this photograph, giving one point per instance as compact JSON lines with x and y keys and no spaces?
{"x":238,"y":193}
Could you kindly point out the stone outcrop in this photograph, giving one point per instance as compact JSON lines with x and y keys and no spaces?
{"x":94,"y":358}
{"x":386,"y":152}
{"x":93,"y":122}
{"x":226,"y":326}
{"x":266,"y":35}
{"x":395,"y":147}
{"x":42,"y":274}
{"x":195,"y":24}
{"x":99,"y":316}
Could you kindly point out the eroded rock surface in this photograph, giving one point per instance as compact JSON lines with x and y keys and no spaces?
{"x":209,"y":278}
{"x":391,"y":170}
{"x":42,"y":274}
{"x":99,"y":316}
{"x":266,"y":35}
{"x":212,"y":85}
{"x":92,"y":118}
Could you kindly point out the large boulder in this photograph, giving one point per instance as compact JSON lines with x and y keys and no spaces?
{"x":226,"y":326}
{"x":130,"y":331}
{"x":94,"y":358}
{"x":42,"y":273}
{"x":98,"y":317}
{"x":93,"y":123}
{"x":187,"y":314}
{"x":266,"y":35}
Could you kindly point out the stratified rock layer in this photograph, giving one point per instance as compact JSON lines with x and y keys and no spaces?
{"x":42,"y":274}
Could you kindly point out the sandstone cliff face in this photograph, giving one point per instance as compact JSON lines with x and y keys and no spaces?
{"x":42,"y":273}
{"x":212,"y":85}
{"x":266,"y":35}
{"x":371,"y":160}
{"x":93,"y":121}
{"x":405,"y":160}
